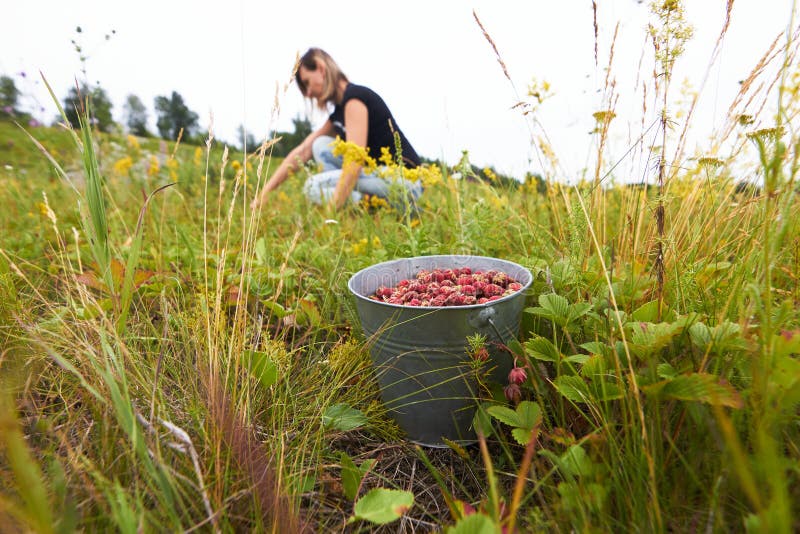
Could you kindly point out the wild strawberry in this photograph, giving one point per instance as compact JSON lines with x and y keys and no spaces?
{"x":447,"y":282}
{"x":513,"y":393}
{"x":468,"y":290}
{"x":469,"y":300}
{"x":403,"y":283}
{"x":492,"y":289}
{"x":410,"y":295}
{"x":454,"y":299}
{"x":414,"y":302}
{"x":465,"y":271}
{"x":483,"y":300}
{"x":517,"y":375}
{"x":501,"y":279}
{"x":494,"y":297}
{"x":514,"y":286}
{"x":383,"y":291}
{"x":464,"y":280}
{"x":418,"y":287}
{"x":438,"y":300}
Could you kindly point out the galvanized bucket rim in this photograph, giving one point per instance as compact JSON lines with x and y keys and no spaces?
{"x":375,"y":266}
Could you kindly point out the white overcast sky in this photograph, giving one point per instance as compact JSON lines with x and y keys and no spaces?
{"x":428,"y":59}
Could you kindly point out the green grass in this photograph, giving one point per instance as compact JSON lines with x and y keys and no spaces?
{"x":178,"y":376}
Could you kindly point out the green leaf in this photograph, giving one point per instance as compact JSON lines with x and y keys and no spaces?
{"x":596,"y":347}
{"x":540,"y":348}
{"x":665,"y":370}
{"x":275,"y":309}
{"x":353,"y":474}
{"x":647,"y":312}
{"x":573,"y":388}
{"x":556,"y":307}
{"x":697,"y":387}
{"x":261,"y":251}
{"x":578,"y":310}
{"x":529,"y":414}
{"x":474,"y":524}
{"x":505,"y":415}
{"x":343,"y":417}
{"x":603,"y":390}
{"x":261,"y":366}
{"x":576,"y":462}
{"x":523,"y":436}
{"x":381,"y":506}
{"x":482,"y":423}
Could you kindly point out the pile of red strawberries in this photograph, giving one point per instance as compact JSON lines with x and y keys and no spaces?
{"x":449,"y":287}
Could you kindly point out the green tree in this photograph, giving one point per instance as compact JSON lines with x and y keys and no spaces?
{"x":136,"y":116}
{"x":289,"y":140}
{"x":247,"y":140}
{"x":174,"y":116}
{"x":99,"y":105}
{"x":9,"y":95}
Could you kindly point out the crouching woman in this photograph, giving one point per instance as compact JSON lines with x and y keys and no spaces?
{"x":361,"y":117}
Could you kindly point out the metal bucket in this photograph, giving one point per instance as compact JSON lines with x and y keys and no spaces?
{"x":420,"y":355}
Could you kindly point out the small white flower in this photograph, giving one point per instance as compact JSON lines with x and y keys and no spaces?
{"x":331,"y":221}
{"x":456,"y":176}
{"x":9,"y":168}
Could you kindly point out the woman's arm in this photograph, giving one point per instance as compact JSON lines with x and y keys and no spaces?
{"x":356,"y":127}
{"x":299,"y":155}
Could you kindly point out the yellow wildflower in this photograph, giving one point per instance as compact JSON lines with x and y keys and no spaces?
{"x":362,"y":244}
{"x":490,"y":175}
{"x":498,"y":202}
{"x":122,"y":167}
{"x":198,"y":157}
{"x":283,"y":198}
{"x":133,"y":143}
{"x":354,"y":154}
{"x":172,"y":166}
{"x":356,"y":249}
{"x":154,"y":167}
{"x":386,"y":156}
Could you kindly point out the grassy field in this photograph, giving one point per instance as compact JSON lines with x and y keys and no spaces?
{"x":172,"y":361}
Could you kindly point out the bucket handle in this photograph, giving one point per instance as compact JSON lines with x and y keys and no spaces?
{"x":485,"y":318}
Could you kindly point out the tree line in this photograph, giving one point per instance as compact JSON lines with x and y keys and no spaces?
{"x":172,"y":116}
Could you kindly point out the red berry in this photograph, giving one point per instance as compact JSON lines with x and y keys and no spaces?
{"x":512,"y":393}
{"x":517,"y":375}
{"x":492,"y":289}
{"x":464,"y":280}
{"x":468,"y":290}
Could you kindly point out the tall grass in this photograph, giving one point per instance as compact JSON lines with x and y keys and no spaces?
{"x":167,"y":363}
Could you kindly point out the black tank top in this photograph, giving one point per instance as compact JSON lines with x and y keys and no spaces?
{"x":379,"y":134}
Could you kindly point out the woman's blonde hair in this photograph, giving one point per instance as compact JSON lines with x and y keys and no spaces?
{"x":333,"y":75}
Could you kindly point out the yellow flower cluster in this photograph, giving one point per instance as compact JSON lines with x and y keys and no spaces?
{"x":374,"y":202}
{"x":198,"y":157}
{"x":429,"y":175}
{"x":154,"y":167}
{"x":386,"y":156}
{"x":133,"y":144}
{"x":489,"y":174}
{"x":354,"y":154}
{"x":122,"y":167}
{"x":360,"y":247}
{"x":172,"y":166}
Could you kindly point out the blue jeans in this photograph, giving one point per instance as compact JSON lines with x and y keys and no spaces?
{"x":320,"y":187}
